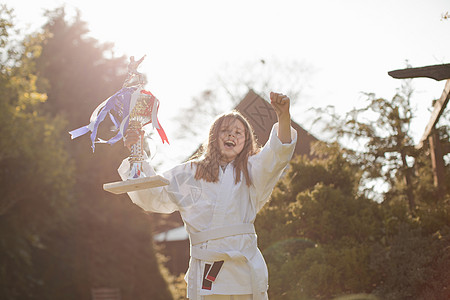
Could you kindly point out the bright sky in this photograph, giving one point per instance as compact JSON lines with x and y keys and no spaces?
{"x":351,"y":44}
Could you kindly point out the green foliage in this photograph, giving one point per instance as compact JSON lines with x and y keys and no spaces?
{"x":7,"y":50}
{"x":414,"y":266}
{"x":75,"y":70}
{"x":316,"y":233}
{"x":323,"y":238}
{"x":113,"y":244}
{"x":177,"y":284}
{"x":380,"y":140}
{"x":328,"y":216}
{"x":60,"y":234}
{"x":35,"y":173}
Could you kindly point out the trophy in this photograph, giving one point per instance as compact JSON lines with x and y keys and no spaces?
{"x":134,"y":108}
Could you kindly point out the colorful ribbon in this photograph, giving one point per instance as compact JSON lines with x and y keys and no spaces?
{"x":157,"y":126}
{"x":122,"y":104}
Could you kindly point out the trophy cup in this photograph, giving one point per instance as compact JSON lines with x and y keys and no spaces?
{"x":137,"y":108}
{"x":139,"y":116}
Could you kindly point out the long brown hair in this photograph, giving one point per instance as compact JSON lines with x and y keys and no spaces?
{"x":209,"y":156}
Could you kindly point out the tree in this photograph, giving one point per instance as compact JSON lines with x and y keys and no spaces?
{"x":317,"y":231}
{"x":233,"y":83}
{"x":413,"y":264}
{"x":380,"y":132}
{"x":324,"y":236}
{"x":110,"y":241}
{"x":61,"y":235}
{"x":77,"y":76}
{"x":35,"y":171}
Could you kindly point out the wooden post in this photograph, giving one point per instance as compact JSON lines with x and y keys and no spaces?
{"x":430,"y":133}
{"x":439,"y":107}
{"x":408,"y":182}
{"x":437,"y":72}
{"x":437,"y":163}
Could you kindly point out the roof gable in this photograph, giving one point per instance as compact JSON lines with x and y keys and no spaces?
{"x":262,"y":116}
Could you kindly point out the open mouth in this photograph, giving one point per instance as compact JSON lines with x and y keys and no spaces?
{"x":229,"y":144}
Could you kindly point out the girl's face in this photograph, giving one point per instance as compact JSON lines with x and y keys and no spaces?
{"x":231,"y":139}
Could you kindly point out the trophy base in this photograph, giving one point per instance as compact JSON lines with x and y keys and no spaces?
{"x":131,"y":185}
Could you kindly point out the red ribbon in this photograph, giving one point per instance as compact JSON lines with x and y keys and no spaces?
{"x":160,"y":130}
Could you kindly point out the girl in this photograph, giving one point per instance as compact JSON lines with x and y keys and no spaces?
{"x":218,"y":197}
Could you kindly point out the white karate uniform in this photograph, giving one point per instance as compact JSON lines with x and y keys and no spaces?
{"x":204,"y":206}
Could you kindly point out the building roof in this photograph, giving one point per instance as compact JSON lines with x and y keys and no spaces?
{"x":262,"y":116}
{"x":175,"y":234}
{"x":436,"y":72}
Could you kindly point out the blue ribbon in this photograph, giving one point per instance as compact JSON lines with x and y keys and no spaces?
{"x":120,"y":104}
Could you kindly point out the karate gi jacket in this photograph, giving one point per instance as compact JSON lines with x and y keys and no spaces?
{"x":206,"y":206}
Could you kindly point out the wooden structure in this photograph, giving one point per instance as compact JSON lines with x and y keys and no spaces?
{"x":436,"y":72}
{"x":261,"y":116}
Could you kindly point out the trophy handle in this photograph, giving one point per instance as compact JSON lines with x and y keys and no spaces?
{"x":136,"y":153}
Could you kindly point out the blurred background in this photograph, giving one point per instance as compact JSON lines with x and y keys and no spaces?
{"x":362,"y":215}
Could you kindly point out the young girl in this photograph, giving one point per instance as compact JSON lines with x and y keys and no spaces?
{"x":218,"y":197}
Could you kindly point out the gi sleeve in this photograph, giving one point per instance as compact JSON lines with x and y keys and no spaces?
{"x":267,"y":166}
{"x":157,"y":199}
